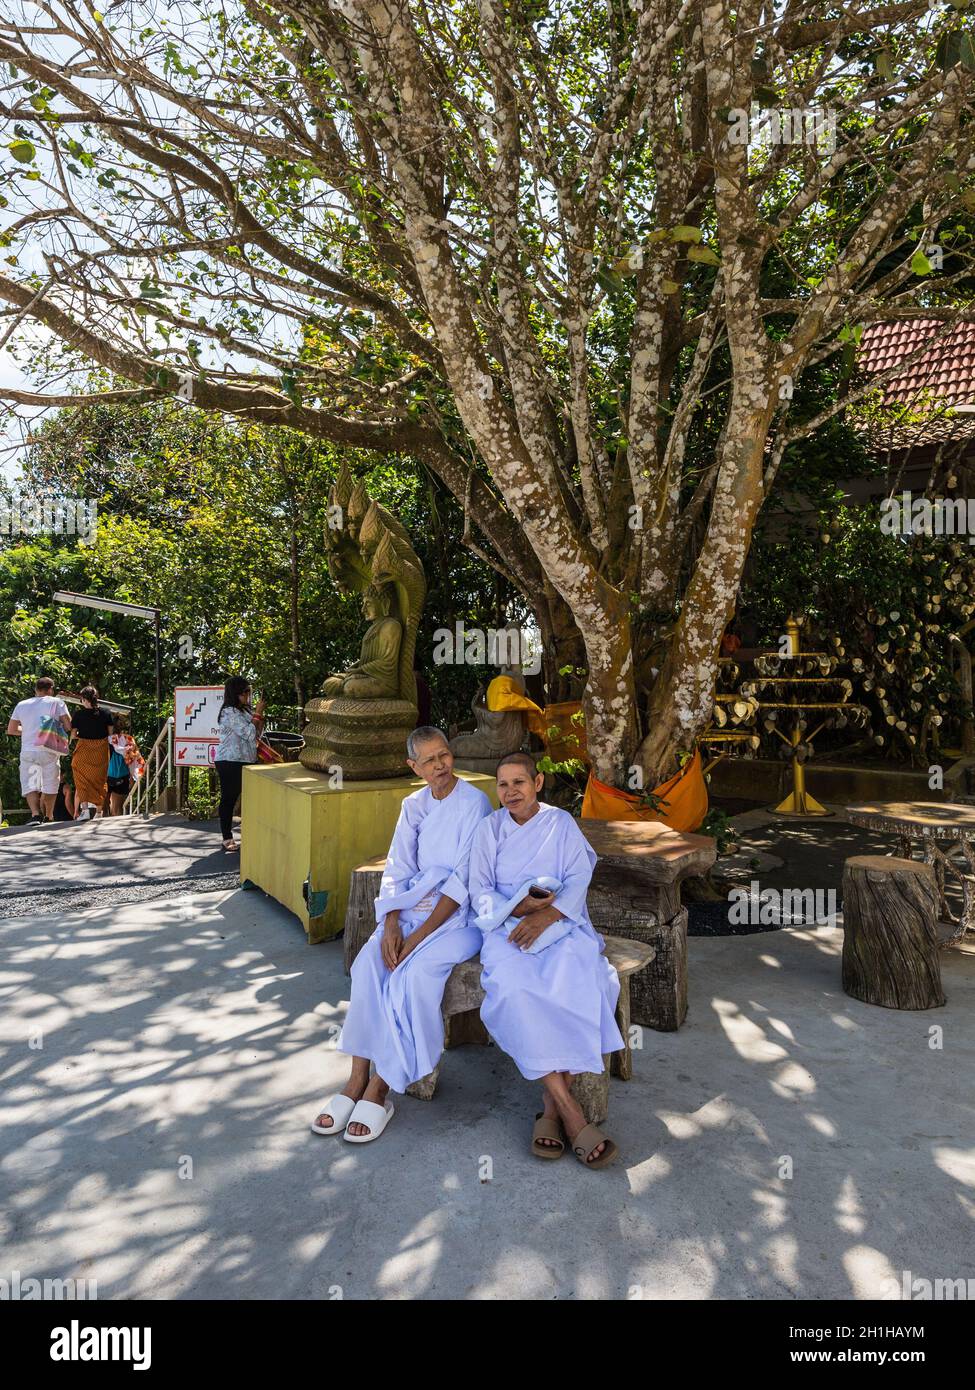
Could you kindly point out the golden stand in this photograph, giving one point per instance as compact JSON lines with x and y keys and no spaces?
{"x":799,"y":802}
{"x":798,"y":698}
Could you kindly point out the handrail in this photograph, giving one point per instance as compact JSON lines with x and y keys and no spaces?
{"x":159,"y":774}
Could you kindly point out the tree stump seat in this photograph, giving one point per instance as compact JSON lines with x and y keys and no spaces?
{"x":890,"y":941}
{"x":360,"y":914}
{"x":462,"y":999}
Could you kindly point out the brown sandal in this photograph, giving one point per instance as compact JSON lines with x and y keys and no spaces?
{"x":546,"y":1127}
{"x":590,"y":1138}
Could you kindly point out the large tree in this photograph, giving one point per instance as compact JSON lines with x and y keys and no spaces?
{"x":536,"y":246}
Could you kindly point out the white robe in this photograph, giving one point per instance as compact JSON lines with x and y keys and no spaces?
{"x":554,"y":1010}
{"x":394,"y":1015}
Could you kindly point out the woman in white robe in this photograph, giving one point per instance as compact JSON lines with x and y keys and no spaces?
{"x":550,"y":993}
{"x":422,"y":932}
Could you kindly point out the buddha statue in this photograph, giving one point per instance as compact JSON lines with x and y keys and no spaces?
{"x":498,"y":731}
{"x":376,"y":675}
{"x":360,"y":722}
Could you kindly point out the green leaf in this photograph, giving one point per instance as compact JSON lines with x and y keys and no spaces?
{"x":611,"y":283}
{"x":884,"y":64}
{"x":22,"y":150}
{"x":956,"y":47}
{"x":704,"y":254}
{"x":920,"y":265}
{"x":669,"y":286}
{"x":683,"y":233}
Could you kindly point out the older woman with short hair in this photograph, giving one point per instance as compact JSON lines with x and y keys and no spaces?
{"x":398,"y":978}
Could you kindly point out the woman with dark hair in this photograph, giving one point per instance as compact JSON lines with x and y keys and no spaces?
{"x":90,"y":728}
{"x":240,"y":727}
{"x":125,"y":765}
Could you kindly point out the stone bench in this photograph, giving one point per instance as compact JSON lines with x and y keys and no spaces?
{"x":462,"y":1000}
{"x":635,"y":893}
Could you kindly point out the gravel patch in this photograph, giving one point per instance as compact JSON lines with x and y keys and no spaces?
{"x":71,"y":898}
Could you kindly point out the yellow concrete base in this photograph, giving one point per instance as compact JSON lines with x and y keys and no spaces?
{"x":295,"y":827}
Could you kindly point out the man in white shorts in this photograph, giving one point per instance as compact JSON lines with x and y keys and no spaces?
{"x":40,"y":722}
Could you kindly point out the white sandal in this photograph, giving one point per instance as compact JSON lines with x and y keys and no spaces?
{"x":367,"y":1112}
{"x":340,"y":1108}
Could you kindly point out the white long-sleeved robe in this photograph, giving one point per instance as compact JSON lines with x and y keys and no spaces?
{"x":554,"y":1010}
{"x":394,"y":1015}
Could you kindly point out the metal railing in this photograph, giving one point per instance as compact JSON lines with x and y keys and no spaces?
{"x":160,"y":773}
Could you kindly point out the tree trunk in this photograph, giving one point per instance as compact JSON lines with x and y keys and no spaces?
{"x":682,"y":696}
{"x":890,"y":941}
{"x":294,"y":583}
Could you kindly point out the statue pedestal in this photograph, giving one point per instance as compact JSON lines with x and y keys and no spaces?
{"x":295,"y":826}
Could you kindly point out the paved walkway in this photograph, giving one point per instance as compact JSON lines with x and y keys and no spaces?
{"x":157,"y":1141}
{"x":69,"y":867}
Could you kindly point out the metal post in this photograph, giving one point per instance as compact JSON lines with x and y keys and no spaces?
{"x":155,"y":624}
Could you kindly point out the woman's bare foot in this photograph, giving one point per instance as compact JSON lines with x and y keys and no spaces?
{"x":573,"y":1122}
{"x":551,"y":1112}
{"x":377,"y":1091}
{"x":354,"y":1089}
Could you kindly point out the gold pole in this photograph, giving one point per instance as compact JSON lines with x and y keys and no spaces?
{"x":799,"y":802}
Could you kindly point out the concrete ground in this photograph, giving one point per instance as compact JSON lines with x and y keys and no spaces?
{"x":162,"y":1060}
{"x":66,"y":867}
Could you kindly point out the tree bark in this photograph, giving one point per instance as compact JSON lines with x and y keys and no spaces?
{"x":890,"y":942}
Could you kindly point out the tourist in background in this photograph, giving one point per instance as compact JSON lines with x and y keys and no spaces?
{"x":125,"y":764}
{"x":240,"y":727}
{"x":42,"y":724}
{"x":90,"y":728}
{"x":64,"y":802}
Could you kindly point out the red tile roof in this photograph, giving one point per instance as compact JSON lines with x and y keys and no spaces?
{"x":940,"y":377}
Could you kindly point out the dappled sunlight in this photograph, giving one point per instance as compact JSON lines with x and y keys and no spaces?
{"x":869,"y":1272}
{"x":751,"y":1156}
{"x":850,"y":1215}
{"x":956,"y":1163}
{"x":745,"y":1035}
{"x":793,"y":1080}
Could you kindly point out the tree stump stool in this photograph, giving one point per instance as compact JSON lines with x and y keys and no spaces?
{"x":360,"y":915}
{"x":890,"y":941}
{"x":462,"y":1000}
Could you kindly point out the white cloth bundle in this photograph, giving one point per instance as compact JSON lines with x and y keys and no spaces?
{"x":498,"y":909}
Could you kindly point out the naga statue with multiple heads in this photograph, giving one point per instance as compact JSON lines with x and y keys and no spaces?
{"x":362,"y":718}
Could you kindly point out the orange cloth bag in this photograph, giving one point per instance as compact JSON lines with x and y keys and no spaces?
{"x":685,"y":795}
